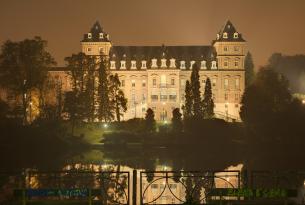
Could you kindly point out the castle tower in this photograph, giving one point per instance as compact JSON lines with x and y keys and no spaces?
{"x":230,"y":48}
{"x":96,"y":41}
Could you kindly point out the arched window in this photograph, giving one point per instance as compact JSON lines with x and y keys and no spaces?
{"x":163,"y":62}
{"x":123,"y":64}
{"x":112,"y":64}
{"x":154,"y":63}
{"x":225,"y":35}
{"x":133,"y":64}
{"x":182,"y":64}
{"x":172,"y":63}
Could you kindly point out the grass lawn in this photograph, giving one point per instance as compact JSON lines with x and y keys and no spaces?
{"x":92,"y":132}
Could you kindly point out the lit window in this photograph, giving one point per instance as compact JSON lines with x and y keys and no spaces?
{"x":133,"y":65}
{"x":236,"y":62}
{"x":214,"y":81}
{"x":237,"y":83}
{"x":123,"y":65}
{"x":236,"y":97}
{"x":203,"y":65}
{"x":123,"y":83}
{"x":154,"y":82}
{"x":225,"y":35}
{"x":163,"y":98}
{"x":235,"y":35}
{"x":225,"y":63}
{"x":191,"y":64}
{"x":172,"y":63}
{"x":154,"y":63}
{"x":226,"y":96}
{"x":143,"y":64}
{"x":214,"y":65}
{"x":89,"y":35}
{"x":163,"y":62}
{"x":112,"y":64}
{"x":154,"y":98}
{"x":172,"y":98}
{"x":226,"y":83}
{"x":182,"y":64}
{"x":172,"y":81}
{"x":101,"y":35}
{"x":133,"y":83}
{"x":143,"y":83}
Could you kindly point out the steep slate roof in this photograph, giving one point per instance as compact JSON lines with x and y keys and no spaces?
{"x":230,"y":30}
{"x":139,"y":53}
{"x":95,"y":32}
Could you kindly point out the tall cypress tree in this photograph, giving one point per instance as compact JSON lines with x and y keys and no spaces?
{"x":208,"y":102}
{"x":187,"y":109}
{"x":117,"y":96}
{"x":249,"y":69}
{"x":105,"y":109}
{"x":196,"y":96}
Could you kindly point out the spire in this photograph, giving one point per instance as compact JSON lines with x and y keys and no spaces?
{"x":229,"y":33}
{"x":96,"y":34}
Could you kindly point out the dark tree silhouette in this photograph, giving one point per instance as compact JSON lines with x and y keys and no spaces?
{"x":117,"y":96}
{"x":196,"y":96}
{"x":187,"y":109}
{"x":249,"y":69}
{"x":105,"y":108}
{"x":150,"y":120}
{"x":207,"y":102}
{"x":177,"y":120}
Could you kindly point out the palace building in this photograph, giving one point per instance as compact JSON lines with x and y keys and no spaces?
{"x":154,"y":76}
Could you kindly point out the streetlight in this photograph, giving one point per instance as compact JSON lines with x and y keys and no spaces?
{"x":105,"y":125}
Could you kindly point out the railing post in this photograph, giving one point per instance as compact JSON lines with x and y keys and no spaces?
{"x":134,"y":187}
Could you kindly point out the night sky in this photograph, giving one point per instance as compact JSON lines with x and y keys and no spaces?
{"x":268,"y":25}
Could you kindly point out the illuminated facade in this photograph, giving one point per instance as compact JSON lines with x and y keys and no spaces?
{"x":154,"y":76}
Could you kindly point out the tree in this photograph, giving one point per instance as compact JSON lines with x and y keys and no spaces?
{"x":81,"y":71}
{"x":196,"y":96}
{"x":24,"y":67}
{"x":207,"y":102}
{"x":265,"y":98}
{"x":249,"y":69}
{"x":105,"y":108}
{"x":187,"y":109}
{"x":177,"y":120}
{"x":117,"y":96}
{"x":150,"y":120}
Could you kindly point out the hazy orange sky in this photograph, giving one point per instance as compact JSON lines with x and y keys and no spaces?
{"x":268,"y":25}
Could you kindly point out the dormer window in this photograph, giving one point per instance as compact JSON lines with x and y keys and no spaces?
{"x":143,"y":65}
{"x":112,"y":64}
{"x":154,"y":63}
{"x":235,"y":35}
{"x":225,"y":35}
{"x":107,"y":36}
{"x":217,"y":36}
{"x":182,"y":64}
{"x":133,"y":65}
{"x":101,"y":35}
{"x":191,"y":64}
{"x":214,"y":65}
{"x":203,"y":65}
{"x":123,"y":64}
{"x":89,"y":35}
{"x":163,"y":62}
{"x":172,"y":63}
